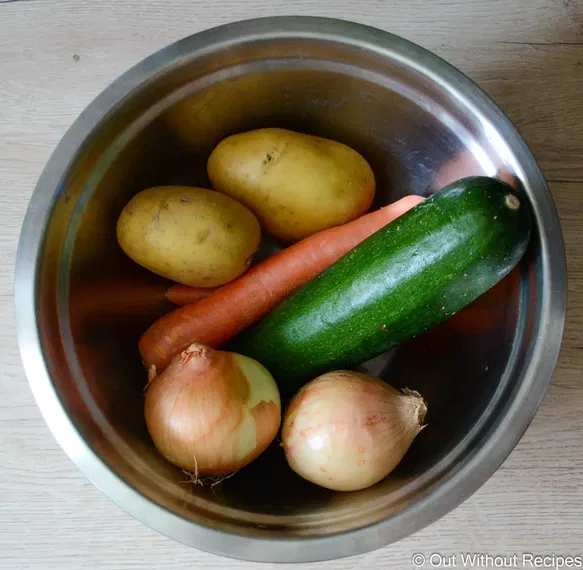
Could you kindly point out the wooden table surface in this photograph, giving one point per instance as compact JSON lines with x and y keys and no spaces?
{"x":55,"y":57}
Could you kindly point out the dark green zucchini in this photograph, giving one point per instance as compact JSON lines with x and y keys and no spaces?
{"x":412,"y":274}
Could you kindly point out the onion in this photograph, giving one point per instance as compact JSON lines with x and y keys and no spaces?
{"x":212,"y":412}
{"x":347,"y":431}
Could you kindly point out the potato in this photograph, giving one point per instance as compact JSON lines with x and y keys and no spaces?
{"x":296,"y":184}
{"x":193,"y":236}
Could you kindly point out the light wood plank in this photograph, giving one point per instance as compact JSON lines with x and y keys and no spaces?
{"x":526,"y":55}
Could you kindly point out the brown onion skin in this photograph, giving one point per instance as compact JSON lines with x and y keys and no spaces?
{"x":201,"y":415}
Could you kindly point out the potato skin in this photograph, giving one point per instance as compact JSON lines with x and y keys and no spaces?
{"x":296,"y":184}
{"x":193,"y":236}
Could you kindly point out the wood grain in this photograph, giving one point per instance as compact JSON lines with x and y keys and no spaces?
{"x":55,"y":57}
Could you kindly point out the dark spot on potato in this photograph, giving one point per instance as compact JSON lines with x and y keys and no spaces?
{"x":184,"y":200}
{"x":271,"y":157}
{"x":156,"y":219}
{"x":228,"y":224}
{"x":203,"y":235}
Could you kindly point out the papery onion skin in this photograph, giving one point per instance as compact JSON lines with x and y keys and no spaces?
{"x":346,"y":431}
{"x":212,"y":412}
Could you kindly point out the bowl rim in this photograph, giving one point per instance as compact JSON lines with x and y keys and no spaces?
{"x":455,"y":487}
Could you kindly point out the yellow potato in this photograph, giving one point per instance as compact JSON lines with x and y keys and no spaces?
{"x":296,"y":184}
{"x":193,"y":236}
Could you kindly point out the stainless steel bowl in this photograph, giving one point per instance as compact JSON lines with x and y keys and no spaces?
{"x":81,"y":304}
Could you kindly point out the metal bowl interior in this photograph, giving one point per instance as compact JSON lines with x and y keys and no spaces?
{"x":82,"y":305}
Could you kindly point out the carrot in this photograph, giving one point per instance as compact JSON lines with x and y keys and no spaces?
{"x":237,"y":305}
{"x":184,"y":294}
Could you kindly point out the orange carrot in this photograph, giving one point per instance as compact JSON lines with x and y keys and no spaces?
{"x":184,"y":294}
{"x":237,"y":305}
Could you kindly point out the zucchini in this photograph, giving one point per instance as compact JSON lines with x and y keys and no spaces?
{"x":412,"y":274}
